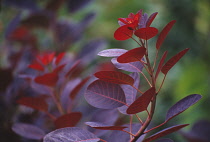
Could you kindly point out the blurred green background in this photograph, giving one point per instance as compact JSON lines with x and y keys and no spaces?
{"x":192,"y":30}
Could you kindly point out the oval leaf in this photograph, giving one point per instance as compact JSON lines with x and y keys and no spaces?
{"x":48,"y":79}
{"x":68,"y":120}
{"x":146,"y":33}
{"x":142,"y":102}
{"x":37,"y":103}
{"x":115,"y":77}
{"x":171,"y":62}
{"x":151,"y":18}
{"x":112,"y":52}
{"x":105,"y":95}
{"x":123,"y":33}
{"x":165,"y":132}
{"x":131,"y":67}
{"x":102,"y":126}
{"x":28,"y":131}
{"x":182,"y":105}
{"x":71,"y":134}
{"x":132,"y":55}
{"x":161,"y":64}
{"x":164,"y":33}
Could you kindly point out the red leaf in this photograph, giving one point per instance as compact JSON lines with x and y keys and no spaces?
{"x":171,"y":62}
{"x":165,"y":132}
{"x":142,"y":102}
{"x":59,"y":58}
{"x":20,"y":33}
{"x":164,"y":33}
{"x":151,"y":18}
{"x":49,"y":79}
{"x":46,"y":58}
{"x":78,"y":87}
{"x":37,"y":103}
{"x":146,"y":33}
{"x":132,"y":55}
{"x":36,"y":65}
{"x":115,"y":77}
{"x":73,"y":68}
{"x":161,"y":64}
{"x":68,"y":120}
{"x":123,"y":32}
{"x":102,"y":126}
{"x":59,"y":68}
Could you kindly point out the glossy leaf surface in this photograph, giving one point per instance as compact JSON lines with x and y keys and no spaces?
{"x":142,"y":102}
{"x":131,"y":67}
{"x":114,"y":77}
{"x":151,"y":18}
{"x":28,"y":131}
{"x":146,"y":33}
{"x":102,"y":126}
{"x":132,"y":55}
{"x":123,"y":33}
{"x":48,"y":79}
{"x":112,"y":52}
{"x":70,"y":134}
{"x":182,"y":105}
{"x":68,"y":120}
{"x":171,"y":62}
{"x":105,"y":95}
{"x":164,"y":33}
{"x":165,"y":132}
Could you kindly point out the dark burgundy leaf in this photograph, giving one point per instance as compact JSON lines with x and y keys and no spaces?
{"x":105,"y":95}
{"x":75,"y":91}
{"x":75,"y":5}
{"x":112,"y":52}
{"x":124,"y":32}
{"x":146,"y":33}
{"x":151,"y":18}
{"x":37,"y":103}
{"x":161,"y":64}
{"x":102,"y":126}
{"x":182,"y":105}
{"x":68,"y":120}
{"x":131,"y":67}
{"x":171,"y":62}
{"x":142,"y":102}
{"x":28,"y":131}
{"x":48,"y":79}
{"x":132,"y":55}
{"x":114,"y":77}
{"x":73,"y":68}
{"x":59,"y":58}
{"x":164,"y":140}
{"x":164,"y":33}
{"x":59,"y":68}
{"x":71,"y":134}
{"x":130,"y":92}
{"x":36,"y":65}
{"x":165,"y":132}
{"x":54,"y":5}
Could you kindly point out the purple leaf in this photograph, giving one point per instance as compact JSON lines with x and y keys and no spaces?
{"x":112,"y":52}
{"x":164,"y":140}
{"x":28,"y":131}
{"x":75,"y":5}
{"x":103,"y":126}
{"x":25,"y":4}
{"x":165,"y":132}
{"x":105,"y":95}
{"x":70,"y":134}
{"x":131,"y":67}
{"x":130,"y":92}
{"x":182,"y":105}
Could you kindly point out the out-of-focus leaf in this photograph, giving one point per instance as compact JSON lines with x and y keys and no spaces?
{"x":68,"y":120}
{"x":165,"y":132}
{"x":151,"y":18}
{"x":123,"y":33}
{"x":28,"y":131}
{"x":182,"y":105}
{"x":48,"y":79}
{"x":161,"y":64}
{"x":164,"y":33}
{"x":112,"y":52}
{"x":114,"y":77}
{"x":59,"y":57}
{"x":71,"y":134}
{"x":36,"y":66}
{"x":102,"y":126}
{"x":164,"y":140}
{"x":73,"y":68}
{"x":37,"y":103}
{"x":146,"y":33}
{"x":13,"y":24}
{"x":59,"y":68}
{"x":142,"y":102}
{"x":46,"y":57}
{"x":130,"y":92}
{"x":75,"y":5}
{"x":132,"y":55}
{"x":54,"y":5}
{"x":131,"y":67}
{"x":105,"y":95}
{"x":171,"y":62}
